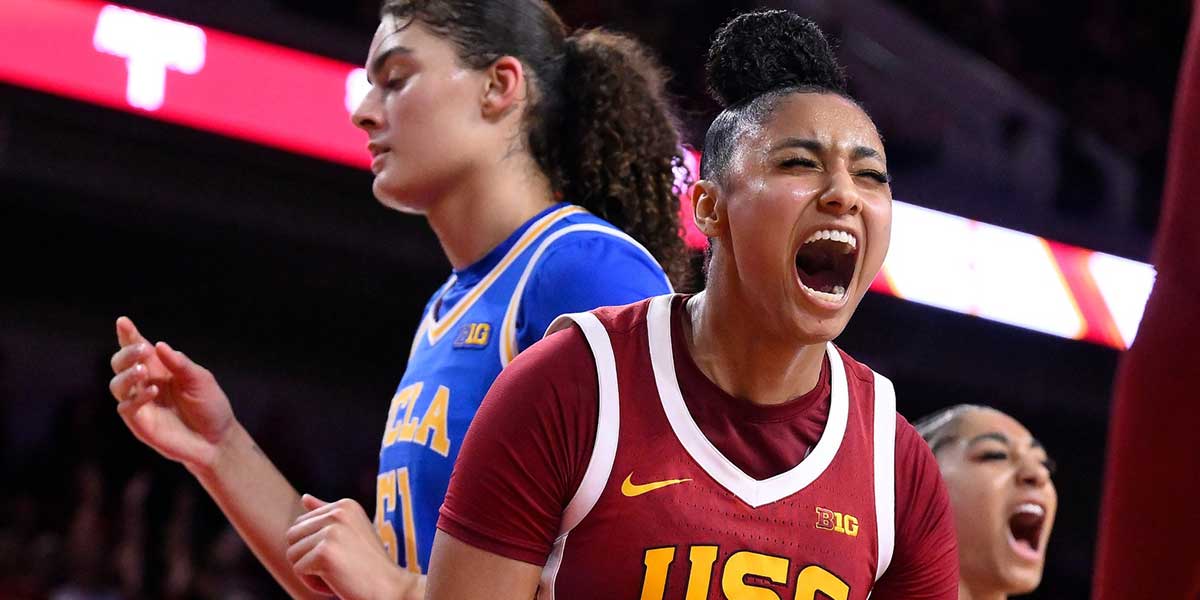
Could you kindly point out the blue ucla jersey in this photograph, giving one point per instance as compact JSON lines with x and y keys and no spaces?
{"x":564,"y":260}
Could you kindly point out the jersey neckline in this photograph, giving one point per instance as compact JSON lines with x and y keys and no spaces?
{"x":753,"y":492}
{"x":435,"y":327}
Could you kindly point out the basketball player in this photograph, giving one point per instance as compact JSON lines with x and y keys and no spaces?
{"x":1003,"y":499}
{"x":718,"y":445}
{"x":481,"y":115}
{"x":1149,"y":521}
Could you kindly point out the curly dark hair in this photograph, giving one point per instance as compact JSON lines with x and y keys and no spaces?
{"x":755,"y":59}
{"x":600,"y":125}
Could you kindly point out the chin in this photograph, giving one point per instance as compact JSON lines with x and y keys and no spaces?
{"x":812,"y":329}
{"x":395,"y":198}
{"x":1023,"y":581}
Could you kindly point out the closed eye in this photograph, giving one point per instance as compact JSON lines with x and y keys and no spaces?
{"x":994,"y":455}
{"x":1051,"y":466}
{"x":806,"y":163}
{"x":878,"y":176}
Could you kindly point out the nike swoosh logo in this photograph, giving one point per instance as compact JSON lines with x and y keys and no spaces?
{"x":630,"y":489}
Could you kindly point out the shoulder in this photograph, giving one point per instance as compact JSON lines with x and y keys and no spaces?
{"x":581,"y":271}
{"x":925,"y":560}
{"x":923,"y":510}
{"x":588,"y":247}
{"x":618,"y":320}
{"x":857,"y":372}
{"x":557,"y":373}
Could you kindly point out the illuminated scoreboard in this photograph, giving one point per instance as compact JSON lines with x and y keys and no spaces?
{"x":299,"y":102}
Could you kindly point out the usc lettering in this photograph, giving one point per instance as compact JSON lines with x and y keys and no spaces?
{"x":810,"y":581}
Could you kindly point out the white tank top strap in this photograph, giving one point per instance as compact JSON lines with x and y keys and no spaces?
{"x":885,"y":470}
{"x":604,"y":450}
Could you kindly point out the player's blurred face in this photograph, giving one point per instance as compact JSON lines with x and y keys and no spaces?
{"x":1004,"y":502}
{"x":422,"y":115}
{"x":809,"y":214}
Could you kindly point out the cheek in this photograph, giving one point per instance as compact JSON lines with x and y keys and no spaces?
{"x":1052,"y":504}
{"x":428,"y":114}
{"x":764,"y":219}
{"x":410,"y":116}
{"x":976,"y":502}
{"x":879,"y":232}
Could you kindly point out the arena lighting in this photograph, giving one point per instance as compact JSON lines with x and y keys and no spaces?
{"x":250,"y":90}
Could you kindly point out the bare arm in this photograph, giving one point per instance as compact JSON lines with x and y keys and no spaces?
{"x":176,"y":407}
{"x":260,"y":503}
{"x":459,"y":571}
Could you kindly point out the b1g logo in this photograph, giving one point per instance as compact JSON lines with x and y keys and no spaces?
{"x":832,"y":520}
{"x":473,"y":335}
{"x":742,"y":575}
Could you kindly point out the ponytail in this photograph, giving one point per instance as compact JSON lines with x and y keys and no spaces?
{"x":599,"y":124}
{"x":619,"y":147}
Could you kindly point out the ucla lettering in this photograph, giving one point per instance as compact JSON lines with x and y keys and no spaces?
{"x":430,"y":430}
{"x":744,"y":576}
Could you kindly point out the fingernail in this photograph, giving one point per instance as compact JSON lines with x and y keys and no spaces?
{"x":140,"y":368}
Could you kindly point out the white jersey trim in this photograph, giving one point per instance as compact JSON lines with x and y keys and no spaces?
{"x":752,"y":491}
{"x":604,"y":451}
{"x":438,"y":327}
{"x":508,"y":330}
{"x":427,"y":318}
{"x":885,"y":471}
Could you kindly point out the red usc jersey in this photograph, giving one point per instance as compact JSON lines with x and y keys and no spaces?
{"x":648,"y":507}
{"x":660,"y":501}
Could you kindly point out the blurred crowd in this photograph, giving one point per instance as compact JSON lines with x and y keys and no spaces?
{"x":1108,"y":66}
{"x":89,"y":514}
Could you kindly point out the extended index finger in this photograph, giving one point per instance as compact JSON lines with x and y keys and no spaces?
{"x":127,"y":332}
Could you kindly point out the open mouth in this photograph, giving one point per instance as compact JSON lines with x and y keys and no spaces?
{"x":1025,"y":524}
{"x":825,"y":263}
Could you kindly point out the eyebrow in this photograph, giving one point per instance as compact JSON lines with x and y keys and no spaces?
{"x":859,"y":152}
{"x":1000,"y":437}
{"x":382,"y":58}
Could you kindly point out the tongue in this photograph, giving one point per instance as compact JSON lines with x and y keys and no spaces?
{"x":822,"y":281}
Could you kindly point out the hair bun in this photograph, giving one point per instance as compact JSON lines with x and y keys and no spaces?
{"x":760,"y":51}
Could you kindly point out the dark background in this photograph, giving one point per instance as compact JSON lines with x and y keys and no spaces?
{"x":285,"y":277}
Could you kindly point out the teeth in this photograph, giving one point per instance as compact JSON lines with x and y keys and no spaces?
{"x":839,"y":292}
{"x":1030,"y":508}
{"x":844,"y":237}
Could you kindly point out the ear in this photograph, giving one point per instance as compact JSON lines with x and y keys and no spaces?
{"x":504,"y":87}
{"x":708,"y":208}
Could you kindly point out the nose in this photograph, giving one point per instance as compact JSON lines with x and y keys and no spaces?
{"x":1032,"y":473}
{"x":841,"y":197}
{"x":369,"y":114}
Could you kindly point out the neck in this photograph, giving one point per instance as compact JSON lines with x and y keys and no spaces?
{"x":966,"y":592}
{"x":749,"y":362}
{"x":482,"y":210}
